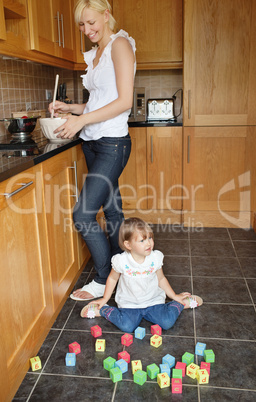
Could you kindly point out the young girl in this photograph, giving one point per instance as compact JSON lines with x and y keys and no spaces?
{"x":142,"y":286}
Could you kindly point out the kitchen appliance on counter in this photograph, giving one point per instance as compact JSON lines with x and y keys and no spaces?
{"x":163,"y":109}
{"x":138,"y":112}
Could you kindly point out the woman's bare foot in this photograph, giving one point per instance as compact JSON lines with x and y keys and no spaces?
{"x":81,"y":295}
{"x":192,"y":302}
{"x":90,"y":311}
{"x":90,"y":291}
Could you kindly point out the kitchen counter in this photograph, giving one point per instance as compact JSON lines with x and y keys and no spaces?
{"x":156,"y":123}
{"x":11,"y":165}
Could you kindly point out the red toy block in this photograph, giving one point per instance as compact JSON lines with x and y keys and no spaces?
{"x":181,"y":366}
{"x":156,"y":330}
{"x":206,"y":366}
{"x":96,"y":331}
{"x":127,"y":339}
{"x":176,"y":386}
{"x":74,"y":348}
{"x":124,"y":355}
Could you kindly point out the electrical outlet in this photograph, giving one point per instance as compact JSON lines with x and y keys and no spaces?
{"x":28,"y":106}
{"x":48,"y":94}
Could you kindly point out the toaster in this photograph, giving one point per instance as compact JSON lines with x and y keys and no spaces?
{"x":160,"y":109}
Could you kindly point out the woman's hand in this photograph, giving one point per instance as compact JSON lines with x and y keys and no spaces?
{"x":70,"y":127}
{"x":59,"y":107}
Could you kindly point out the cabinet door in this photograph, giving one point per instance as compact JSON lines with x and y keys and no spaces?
{"x":164,"y":168}
{"x":156,"y":27}
{"x":65,"y":28}
{"x":219,"y":62}
{"x":2,"y":22}
{"x":60,"y":189}
{"x":26,"y":293}
{"x":133,"y":181}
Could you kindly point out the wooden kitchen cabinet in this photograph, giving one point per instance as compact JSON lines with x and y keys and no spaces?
{"x":219,"y":62}
{"x":156,"y":27}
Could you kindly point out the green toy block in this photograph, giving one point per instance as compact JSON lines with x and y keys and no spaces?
{"x":109,"y":363}
{"x":188,"y":358}
{"x":115,"y":374}
{"x":176,"y":373}
{"x":209,"y":356}
{"x":153,"y":370}
{"x":140,"y":377}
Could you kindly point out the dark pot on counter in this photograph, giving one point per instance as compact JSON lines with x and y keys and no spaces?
{"x":20,"y":126}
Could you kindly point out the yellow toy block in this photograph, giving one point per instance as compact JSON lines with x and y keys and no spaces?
{"x":100,"y":345}
{"x":156,"y":341}
{"x":202,"y":376}
{"x":192,"y":370}
{"x":35,"y":363}
{"x":136,"y":365}
{"x":163,"y":380}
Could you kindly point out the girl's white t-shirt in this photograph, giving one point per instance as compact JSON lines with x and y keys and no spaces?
{"x":138,"y":283}
{"x":101,"y":84}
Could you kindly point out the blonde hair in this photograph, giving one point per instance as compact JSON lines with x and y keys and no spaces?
{"x":129,"y":226}
{"x":98,"y":5}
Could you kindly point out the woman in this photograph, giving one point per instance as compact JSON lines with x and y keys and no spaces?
{"x":107,"y":145}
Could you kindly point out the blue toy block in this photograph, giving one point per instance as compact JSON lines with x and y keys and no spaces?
{"x":122,"y":365}
{"x":200,"y":348}
{"x":70,"y":359}
{"x":169,"y":359}
{"x":165,"y":368}
{"x":140,"y":333}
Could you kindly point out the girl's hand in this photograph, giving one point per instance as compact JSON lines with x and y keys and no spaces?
{"x":179,"y":298}
{"x":70,"y":127}
{"x":59,"y":107}
{"x":99,"y":303}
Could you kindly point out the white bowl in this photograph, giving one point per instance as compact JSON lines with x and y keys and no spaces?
{"x":48,"y":126}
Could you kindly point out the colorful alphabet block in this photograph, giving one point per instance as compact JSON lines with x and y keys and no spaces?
{"x":163,"y":380}
{"x":188,"y":358}
{"x":96,"y":331}
{"x":74,"y":348}
{"x":176,"y":386}
{"x":181,"y":366}
{"x":192,"y":370}
{"x":70,"y":359}
{"x":136,"y":365}
{"x":156,"y":341}
{"x":206,"y":366}
{"x":100,"y":345}
{"x":140,"y":377}
{"x":165,"y":368}
{"x":140,"y":333}
{"x":122,"y":365}
{"x":127,"y":339}
{"x":209,"y":356}
{"x":176,"y":373}
{"x":200,"y":348}
{"x":35,"y":363}
{"x":115,"y":374}
{"x":202,"y":376}
{"x":124,"y":355}
{"x":109,"y":363}
{"x":169,"y":359}
{"x":152,"y":370}
{"x":156,"y":330}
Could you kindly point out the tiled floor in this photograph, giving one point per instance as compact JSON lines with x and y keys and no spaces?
{"x":217,"y":264}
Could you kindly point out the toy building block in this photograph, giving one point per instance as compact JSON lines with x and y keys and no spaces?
{"x":35,"y":363}
{"x":165,"y":368}
{"x":70,"y":359}
{"x":176,"y":386}
{"x":136,"y":365}
{"x":163,"y":380}
{"x":140,"y":377}
{"x":74,"y":348}
{"x":200,"y":348}
{"x":127,"y":339}
{"x":156,"y":330}
{"x":202,"y":376}
{"x":152,"y":370}
{"x":169,"y":359}
{"x":140,"y":333}
{"x":109,"y":363}
{"x":124,"y":355}
{"x":176,"y":373}
{"x":182,"y":367}
{"x":96,"y":331}
{"x":206,"y":366}
{"x":188,"y":358}
{"x":115,"y":374}
{"x":192,"y":370}
{"x":122,"y":365}
{"x":156,"y":341}
{"x":209,"y":356}
{"x":100,"y":345}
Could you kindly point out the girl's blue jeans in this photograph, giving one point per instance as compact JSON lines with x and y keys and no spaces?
{"x":128,"y":319}
{"x":106,"y":159}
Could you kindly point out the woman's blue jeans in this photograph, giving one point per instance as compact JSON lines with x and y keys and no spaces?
{"x":128,"y":319}
{"x":106,"y":159}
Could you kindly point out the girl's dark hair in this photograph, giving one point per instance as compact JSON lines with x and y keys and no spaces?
{"x":128,"y":228}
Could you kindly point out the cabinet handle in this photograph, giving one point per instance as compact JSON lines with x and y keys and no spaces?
{"x":62,"y":28}
{"x":152,"y":158}
{"x":189,"y":104}
{"x":23,"y":186}
{"x":76,"y":183}
{"x":188,"y":154}
{"x":58,"y":24}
